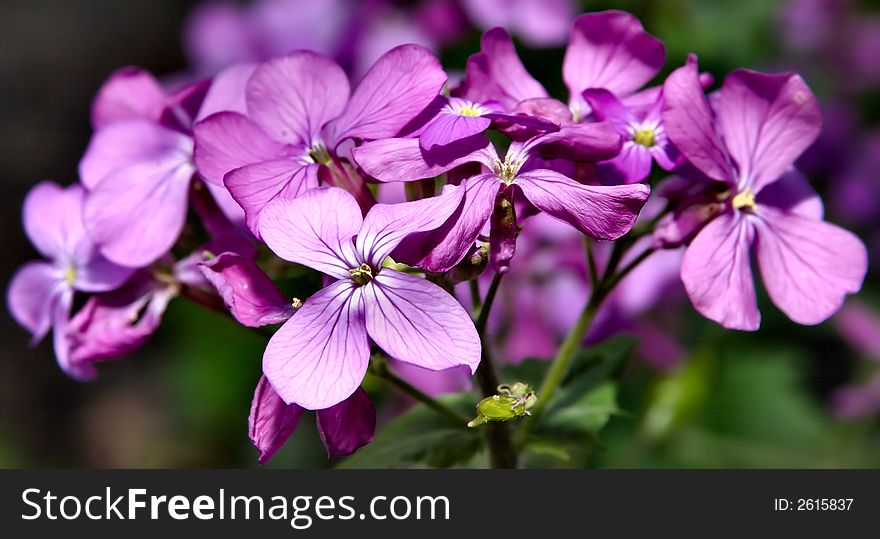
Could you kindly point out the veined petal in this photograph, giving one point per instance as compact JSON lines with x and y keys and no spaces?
{"x":294,"y":96}
{"x":32,"y":291}
{"x":228,"y":140}
{"x":404,"y":159}
{"x":386,"y":225}
{"x":137,"y":212}
{"x":767,"y":122}
{"x":792,"y":193}
{"x":496,"y":73}
{"x":130,"y":93}
{"x":607,"y":107}
{"x":808,"y":266}
{"x":347,"y":426}
{"x":316,"y":229}
{"x":441,"y":249}
{"x":690,"y":124}
{"x":601,"y":212}
{"x":631,"y":166}
{"x":122,"y":144}
{"x":254,"y":186}
{"x":417,"y":322}
{"x":271,"y":421}
{"x":717,"y":273}
{"x":249,"y":294}
{"x":580,"y":142}
{"x":319,"y":357}
{"x":400,"y":84}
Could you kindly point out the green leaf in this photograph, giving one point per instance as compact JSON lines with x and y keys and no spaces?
{"x":586,"y":414}
{"x":421,"y":435}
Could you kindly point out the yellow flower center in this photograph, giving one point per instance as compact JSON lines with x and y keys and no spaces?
{"x":361,"y":274}
{"x":468,"y":110}
{"x":70,"y":275}
{"x":744,"y":200}
{"x":507,"y":170}
{"x":645,"y":137}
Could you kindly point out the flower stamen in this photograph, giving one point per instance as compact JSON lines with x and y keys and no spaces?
{"x":645,"y":137}
{"x":744,"y":200}
{"x":362,"y":274}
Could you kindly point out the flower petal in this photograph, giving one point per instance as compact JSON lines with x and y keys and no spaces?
{"x":227,"y":91}
{"x":792,"y":193}
{"x":137,"y":212}
{"x":124,"y":143}
{"x":32,"y":291}
{"x":129,"y":93}
{"x":400,"y":84}
{"x":631,"y":166}
{"x":293,"y":97}
{"x":441,"y":249}
{"x":580,"y":142}
{"x":249,"y":294}
{"x":496,"y":73}
{"x":607,"y":107}
{"x":386,"y":225}
{"x":717,"y":273}
{"x":767,"y":122}
{"x":808,"y":266}
{"x":347,"y":426}
{"x":52,"y":218}
{"x":690,"y":124}
{"x":316,"y":229}
{"x":447,"y":128}
{"x":601,"y":212}
{"x":254,"y":186}
{"x":610,"y":50}
{"x":60,"y":320}
{"x":271,"y":421}
{"x":319,"y":357}
{"x":404,"y":159}
{"x":417,"y":322}
{"x":228,"y":140}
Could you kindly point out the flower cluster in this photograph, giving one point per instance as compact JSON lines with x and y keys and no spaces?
{"x":179,"y":192}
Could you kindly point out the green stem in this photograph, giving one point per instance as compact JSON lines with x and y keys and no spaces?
{"x":592,"y":266}
{"x":382,"y":370}
{"x":476,"y":300}
{"x":483,"y":315}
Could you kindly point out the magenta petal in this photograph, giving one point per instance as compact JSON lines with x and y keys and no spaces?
{"x":400,"y":84}
{"x":581,"y":142}
{"x":439,"y":250}
{"x":496,"y":73}
{"x":293,"y":97}
{"x":610,"y":50}
{"x":52,"y":218}
{"x":690,"y":125}
{"x":123,"y":143}
{"x":32,"y":291}
{"x":115,"y":323}
{"x":808,"y":266}
{"x":607,"y":107}
{"x":60,"y":320}
{"x":632,"y":165}
{"x":601,"y":212}
{"x":767,"y":121}
{"x":319,"y":357}
{"x":347,"y":426}
{"x":129,"y":93}
{"x":792,"y":193}
{"x":417,"y":322}
{"x":249,"y":294}
{"x":386,"y":225}
{"x":404,"y":159}
{"x":137,"y":212}
{"x":447,"y":128}
{"x":228,"y":140}
{"x":503,"y":232}
{"x":316,"y":230}
{"x":717,"y":273}
{"x":254,"y":186}
{"x":271,"y":421}
{"x":226,"y":93}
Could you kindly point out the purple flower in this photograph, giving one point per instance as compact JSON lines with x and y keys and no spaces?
{"x":319,"y":357}
{"x":609,"y":50}
{"x":138,"y":165}
{"x":344,"y":427}
{"x":644,"y":137}
{"x":602,"y":212}
{"x":299,"y":110}
{"x":40,"y":294}
{"x":537,"y":22}
{"x":457,"y":119}
{"x":764,"y":123}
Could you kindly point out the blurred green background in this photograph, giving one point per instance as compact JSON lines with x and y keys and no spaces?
{"x":738,"y":400}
